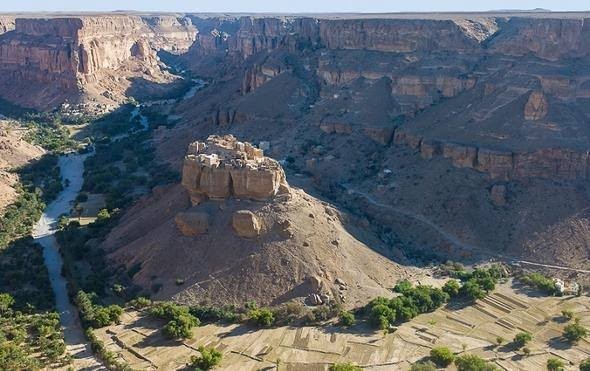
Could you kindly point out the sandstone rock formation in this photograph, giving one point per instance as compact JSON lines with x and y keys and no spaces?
{"x":192,"y":223}
{"x":52,"y":60}
{"x":246,"y":224}
{"x":222,"y":167}
{"x":536,"y":107}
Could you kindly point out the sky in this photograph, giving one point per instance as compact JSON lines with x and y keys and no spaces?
{"x":291,"y":6}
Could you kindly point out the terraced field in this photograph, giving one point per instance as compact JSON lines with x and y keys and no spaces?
{"x":473,"y":329}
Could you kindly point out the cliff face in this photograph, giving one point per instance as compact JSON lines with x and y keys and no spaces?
{"x":6,"y":24}
{"x":58,"y":59}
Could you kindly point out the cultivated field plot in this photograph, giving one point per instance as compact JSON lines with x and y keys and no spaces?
{"x":473,"y":329}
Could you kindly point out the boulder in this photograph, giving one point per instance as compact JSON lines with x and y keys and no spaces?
{"x":498,"y":194}
{"x":192,"y":223}
{"x":536,"y":107}
{"x":246,"y":224}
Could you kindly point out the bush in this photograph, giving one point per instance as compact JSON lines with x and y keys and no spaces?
{"x":423,"y":366}
{"x":574,"y":332}
{"x":347,"y":319}
{"x":521,"y":339}
{"x":540,"y":282}
{"x":452,"y":287}
{"x":227,"y":314}
{"x":103,"y":214}
{"x":95,"y":315}
{"x":180,"y":321}
{"x":472,"y":290}
{"x":208,"y":359}
{"x":567,"y":314}
{"x":585,"y":365}
{"x":262,"y":317}
{"x":344,"y":367}
{"x":442,"y":356}
{"x":470,"y":362}
{"x":403,"y":287}
{"x":554,"y":364}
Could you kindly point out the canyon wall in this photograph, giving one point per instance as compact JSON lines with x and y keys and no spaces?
{"x":54,"y":59}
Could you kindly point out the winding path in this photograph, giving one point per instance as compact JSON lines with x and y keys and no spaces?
{"x":451,"y":238}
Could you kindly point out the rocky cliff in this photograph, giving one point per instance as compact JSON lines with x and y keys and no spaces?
{"x":57,"y":59}
{"x":222,"y":167}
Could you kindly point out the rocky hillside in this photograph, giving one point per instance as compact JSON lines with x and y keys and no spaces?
{"x":14,"y":152}
{"x":246,"y":236}
{"x":458,"y":134}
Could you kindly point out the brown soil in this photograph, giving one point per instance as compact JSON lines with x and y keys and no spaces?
{"x":302,"y":237}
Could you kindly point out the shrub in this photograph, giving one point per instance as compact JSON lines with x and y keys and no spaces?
{"x":227,"y":314}
{"x":347,"y":366}
{"x":521,"y":339}
{"x":403,"y":286}
{"x":103,"y":214}
{"x":423,"y":366}
{"x":574,"y":332}
{"x":262,"y":317}
{"x":95,"y":315}
{"x":585,"y":365}
{"x":554,"y":364}
{"x":540,"y":282}
{"x":208,"y":359}
{"x":473,"y":290}
{"x":442,"y":356}
{"x":180,"y":321}
{"x":140,"y":302}
{"x":470,"y":362}
{"x":6,"y":302}
{"x":567,"y":314}
{"x":452,"y":287}
{"x":347,"y":319}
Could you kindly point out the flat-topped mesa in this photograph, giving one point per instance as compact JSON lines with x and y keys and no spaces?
{"x":224,"y":167}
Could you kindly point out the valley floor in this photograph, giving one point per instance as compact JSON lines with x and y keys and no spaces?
{"x":509,"y":310}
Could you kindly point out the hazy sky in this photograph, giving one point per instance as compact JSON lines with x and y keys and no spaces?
{"x":288,"y":6}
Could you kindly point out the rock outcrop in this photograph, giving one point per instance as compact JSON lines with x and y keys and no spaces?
{"x":192,"y":223}
{"x":536,"y":107}
{"x":246,"y":224}
{"x":222,"y":167}
{"x":548,"y":163}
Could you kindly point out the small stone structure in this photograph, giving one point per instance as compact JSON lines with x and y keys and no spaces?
{"x":224,"y":167}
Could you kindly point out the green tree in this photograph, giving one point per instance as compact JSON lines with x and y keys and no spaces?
{"x":403,"y":286}
{"x":554,"y":364}
{"x":103,"y":214}
{"x":585,"y":365}
{"x":63,"y":222}
{"x":567,"y":314}
{"x":452,"y":287}
{"x":574,"y":332}
{"x":347,"y":366}
{"x":423,"y":366}
{"x":471,"y":362}
{"x":6,"y":302}
{"x":442,"y":356}
{"x":209,"y":358}
{"x":473,"y":290}
{"x":347,"y":319}
{"x":521,"y":339}
{"x":263,"y":317}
